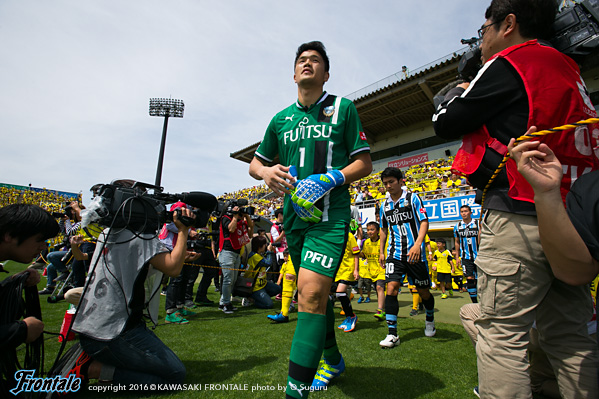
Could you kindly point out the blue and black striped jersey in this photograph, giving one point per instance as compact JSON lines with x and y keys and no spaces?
{"x":467,"y":234}
{"x":402,"y":220}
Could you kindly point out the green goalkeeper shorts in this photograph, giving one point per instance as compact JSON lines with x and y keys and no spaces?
{"x":319,"y":248}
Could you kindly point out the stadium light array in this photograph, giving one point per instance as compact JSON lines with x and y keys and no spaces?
{"x":166,"y":107}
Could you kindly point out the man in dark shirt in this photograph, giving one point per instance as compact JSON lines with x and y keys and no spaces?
{"x":522,"y":83}
{"x":24,"y":230}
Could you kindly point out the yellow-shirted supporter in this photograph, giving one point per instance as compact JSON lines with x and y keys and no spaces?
{"x":370,"y":253}
{"x":457,"y":275}
{"x":347,"y":273}
{"x":256,"y":268}
{"x":288,"y":277}
{"x":444,"y":268}
{"x":431,"y":247}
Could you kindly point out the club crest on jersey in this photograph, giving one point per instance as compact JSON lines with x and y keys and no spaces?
{"x":329,"y":111}
{"x":363,"y":136}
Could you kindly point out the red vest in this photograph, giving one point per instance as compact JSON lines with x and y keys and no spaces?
{"x":238,"y":238}
{"x":556,"y":96}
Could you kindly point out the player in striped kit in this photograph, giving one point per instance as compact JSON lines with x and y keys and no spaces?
{"x":404,"y":219}
{"x":467,"y":238}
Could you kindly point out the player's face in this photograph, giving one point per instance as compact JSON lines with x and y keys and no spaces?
{"x":27,"y":250}
{"x":372,"y":232}
{"x":465,"y":213}
{"x":310,"y":69}
{"x":392,"y":185}
{"x":441,"y":246}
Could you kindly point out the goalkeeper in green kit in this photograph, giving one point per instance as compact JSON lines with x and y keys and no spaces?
{"x":321,"y":148}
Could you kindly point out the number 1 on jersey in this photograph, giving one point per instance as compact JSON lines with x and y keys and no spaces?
{"x":302,"y":151}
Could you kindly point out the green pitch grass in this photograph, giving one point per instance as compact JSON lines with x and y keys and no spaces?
{"x":243,"y":355}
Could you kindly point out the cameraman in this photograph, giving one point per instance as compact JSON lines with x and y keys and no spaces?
{"x":523,"y":83}
{"x":117,"y":345}
{"x":236,"y":228}
{"x":207,"y":260}
{"x":56,"y":260}
{"x":177,"y":287}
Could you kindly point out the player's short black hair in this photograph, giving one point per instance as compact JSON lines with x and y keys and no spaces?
{"x":392,"y":172}
{"x":441,"y":241}
{"x":375,"y":224}
{"x":22,"y":221}
{"x":535,"y":17}
{"x":316,"y":46}
{"x":466,"y":206}
{"x":258,"y":242}
{"x":278,"y":211}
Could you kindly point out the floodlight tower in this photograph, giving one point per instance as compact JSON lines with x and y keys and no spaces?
{"x":164,"y":107}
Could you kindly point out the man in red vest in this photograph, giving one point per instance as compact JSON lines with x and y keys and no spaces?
{"x":522,"y":83}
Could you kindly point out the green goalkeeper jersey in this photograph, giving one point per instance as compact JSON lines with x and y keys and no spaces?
{"x":316,"y":139}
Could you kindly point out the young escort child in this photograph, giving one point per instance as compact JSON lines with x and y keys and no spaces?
{"x":348,"y":272}
{"x":445,"y":268}
{"x":370,"y":252}
{"x":289,"y":279}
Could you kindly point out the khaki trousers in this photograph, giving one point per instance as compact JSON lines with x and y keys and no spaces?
{"x":516,"y":287}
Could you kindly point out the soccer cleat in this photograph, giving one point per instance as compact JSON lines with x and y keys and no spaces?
{"x":342,"y":313}
{"x":451,"y":293}
{"x":278,"y":297}
{"x":163,"y":292}
{"x":245,"y":302}
{"x":278,"y":318}
{"x":190,"y":305}
{"x":326,"y":372}
{"x":342,"y":326}
{"x":476,"y":392}
{"x":185,"y":313}
{"x":380,"y":315}
{"x":367,"y":300}
{"x":175,"y":318}
{"x":360,"y":299}
{"x":350,"y":323}
{"x":429,"y":328}
{"x":414,"y":312}
{"x":390,"y":341}
{"x":444,"y":296}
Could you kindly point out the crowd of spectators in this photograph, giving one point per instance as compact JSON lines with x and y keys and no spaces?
{"x":431,"y":179}
{"x":50,"y":200}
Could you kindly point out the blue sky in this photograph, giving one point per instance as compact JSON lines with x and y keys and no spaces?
{"x":76,"y":77}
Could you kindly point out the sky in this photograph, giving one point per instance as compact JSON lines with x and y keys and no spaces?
{"x":76,"y":77}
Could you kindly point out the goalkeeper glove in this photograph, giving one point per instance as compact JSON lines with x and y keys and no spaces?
{"x":310,"y":215}
{"x":314,"y":187}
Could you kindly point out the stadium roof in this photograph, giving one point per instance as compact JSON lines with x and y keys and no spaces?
{"x":399,"y":100}
{"x":395,"y":102}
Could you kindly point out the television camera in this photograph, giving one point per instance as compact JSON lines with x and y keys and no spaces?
{"x":576,"y":34}
{"x":128,"y":204}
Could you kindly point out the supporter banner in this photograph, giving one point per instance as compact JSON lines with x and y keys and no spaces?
{"x":439,"y":210}
{"x":448,"y":209}
{"x":409,"y":161}
{"x":39,"y":190}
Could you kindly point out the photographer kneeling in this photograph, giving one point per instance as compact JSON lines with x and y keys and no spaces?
{"x":117,"y":345}
{"x":259,"y":261}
